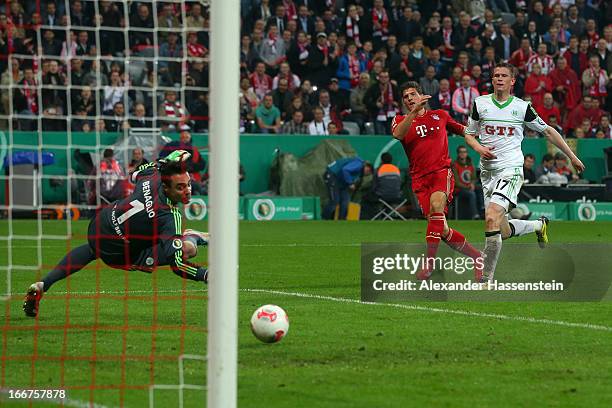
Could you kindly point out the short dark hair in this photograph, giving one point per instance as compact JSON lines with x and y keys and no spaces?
{"x":169,"y":169}
{"x":468,"y":159}
{"x":386,"y":158}
{"x":108,"y":153}
{"x":412,"y":84}
{"x":510,"y":67}
{"x":547,"y":157}
{"x":530,"y":156}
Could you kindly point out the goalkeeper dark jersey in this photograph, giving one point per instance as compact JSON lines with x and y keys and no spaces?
{"x":143,"y":230}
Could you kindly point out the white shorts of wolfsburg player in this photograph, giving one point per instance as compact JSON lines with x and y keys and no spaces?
{"x":502,"y":186}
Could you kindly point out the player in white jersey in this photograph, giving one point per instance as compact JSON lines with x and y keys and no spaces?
{"x":498,"y":120}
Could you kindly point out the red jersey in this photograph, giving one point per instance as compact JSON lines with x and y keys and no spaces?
{"x":464,"y":175}
{"x":545,"y":113}
{"x":426,"y":142}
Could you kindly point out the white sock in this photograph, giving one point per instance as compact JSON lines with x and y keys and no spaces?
{"x":522,"y":227}
{"x":493,"y":246}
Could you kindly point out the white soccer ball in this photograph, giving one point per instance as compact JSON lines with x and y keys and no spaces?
{"x":270,"y":323}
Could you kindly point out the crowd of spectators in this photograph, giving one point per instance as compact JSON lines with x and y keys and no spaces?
{"x":307,"y":67}
{"x":343,"y":63}
{"x":104,"y":65}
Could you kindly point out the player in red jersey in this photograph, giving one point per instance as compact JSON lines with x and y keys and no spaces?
{"x":424,"y":138}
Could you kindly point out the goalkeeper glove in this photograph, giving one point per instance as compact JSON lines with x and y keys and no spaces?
{"x":176,"y":156}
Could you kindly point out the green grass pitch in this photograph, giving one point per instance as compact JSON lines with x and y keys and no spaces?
{"x":337,"y":353}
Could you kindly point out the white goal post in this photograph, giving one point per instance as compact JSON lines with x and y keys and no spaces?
{"x":224,"y":159}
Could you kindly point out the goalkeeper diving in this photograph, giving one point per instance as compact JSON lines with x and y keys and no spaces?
{"x":140,"y":232}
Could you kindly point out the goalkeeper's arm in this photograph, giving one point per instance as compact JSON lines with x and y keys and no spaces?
{"x":148,"y":168}
{"x":186,"y":269}
{"x":173,"y":251}
{"x":143,"y":170}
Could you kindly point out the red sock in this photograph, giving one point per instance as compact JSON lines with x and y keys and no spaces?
{"x":457,"y":241}
{"x":435,"y":227}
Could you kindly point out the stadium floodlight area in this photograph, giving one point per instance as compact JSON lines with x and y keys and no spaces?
{"x":30,"y":247}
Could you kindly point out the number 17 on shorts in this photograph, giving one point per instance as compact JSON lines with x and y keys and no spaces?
{"x":502,"y":186}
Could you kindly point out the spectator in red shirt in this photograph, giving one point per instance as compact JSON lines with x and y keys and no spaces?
{"x":520,"y":57}
{"x":548,"y":108}
{"x":562,"y":169}
{"x":595,"y":80}
{"x":537,"y":85}
{"x":260,"y":81}
{"x":465,"y":184}
{"x":463,"y":99}
{"x":112,"y":181}
{"x":194,"y":49}
{"x":587,"y":109}
{"x":541,"y":58}
{"x":565,"y":84}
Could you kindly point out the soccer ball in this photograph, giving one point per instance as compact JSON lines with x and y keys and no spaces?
{"x":270,"y":323}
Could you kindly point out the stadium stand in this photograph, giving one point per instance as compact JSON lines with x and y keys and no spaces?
{"x":83,"y":61}
{"x":326,"y":43}
{"x":114,"y":67}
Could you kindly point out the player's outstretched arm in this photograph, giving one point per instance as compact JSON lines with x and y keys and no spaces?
{"x":400,"y":129}
{"x":555,"y":138}
{"x":174,"y":250}
{"x":188,"y":270}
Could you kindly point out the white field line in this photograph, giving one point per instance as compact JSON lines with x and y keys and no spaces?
{"x":438,"y":310}
{"x":525,"y":319}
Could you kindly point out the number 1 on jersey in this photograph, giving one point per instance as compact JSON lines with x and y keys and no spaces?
{"x":137,"y":207}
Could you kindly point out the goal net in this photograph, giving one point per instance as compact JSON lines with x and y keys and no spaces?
{"x":89,"y":90}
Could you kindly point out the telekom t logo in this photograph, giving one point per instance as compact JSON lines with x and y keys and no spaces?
{"x":421,"y":130}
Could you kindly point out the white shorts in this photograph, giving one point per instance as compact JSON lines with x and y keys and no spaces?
{"x":502,"y":186}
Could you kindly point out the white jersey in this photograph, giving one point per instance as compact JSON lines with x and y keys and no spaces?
{"x":500,"y":126}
